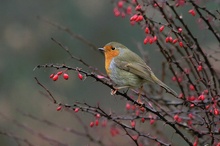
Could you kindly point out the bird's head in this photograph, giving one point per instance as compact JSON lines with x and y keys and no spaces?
{"x":113,"y":49}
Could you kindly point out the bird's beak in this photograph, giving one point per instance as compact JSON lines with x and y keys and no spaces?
{"x":101,"y":49}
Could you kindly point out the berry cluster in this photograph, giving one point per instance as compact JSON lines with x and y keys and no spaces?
{"x":55,"y":77}
{"x":188,"y":62}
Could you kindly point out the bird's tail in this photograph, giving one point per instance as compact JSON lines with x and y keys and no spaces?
{"x":167,"y":88}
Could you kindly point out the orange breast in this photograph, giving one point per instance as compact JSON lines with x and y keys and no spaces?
{"x":109,"y":56}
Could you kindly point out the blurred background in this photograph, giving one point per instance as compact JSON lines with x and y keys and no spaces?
{"x":25,"y":42}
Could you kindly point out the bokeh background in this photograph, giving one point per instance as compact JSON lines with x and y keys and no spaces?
{"x":25,"y":42}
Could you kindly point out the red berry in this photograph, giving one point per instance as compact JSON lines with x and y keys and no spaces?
{"x":139,"y":18}
{"x":152,"y":121}
{"x":59,"y":108}
{"x":51,"y":76}
{"x":170,"y":39}
{"x":134,"y":1}
{"x":59,"y":73}
{"x":180,"y":3}
{"x":132,"y":23}
{"x":174,"y":78}
{"x":199,"y":68}
{"x":137,"y":112}
{"x":76,"y":109}
{"x":147,"y":30}
{"x":180,"y":79}
{"x":189,"y":122}
{"x":206,"y":91}
{"x":191,"y":98}
{"x":146,"y":40}
{"x":201,"y":97}
{"x":134,"y":17}
{"x":122,"y":14}
{"x":65,"y":76}
{"x":161,"y":28}
{"x":128,"y":106}
{"x":80,"y":76}
{"x":180,"y":30}
{"x":135,"y":137}
{"x":181,"y":44}
{"x":55,"y":77}
{"x":114,"y":131}
{"x":116,"y":12}
{"x":155,"y":5}
{"x":91,"y":124}
{"x":98,"y":116}
{"x":190,"y":115}
{"x":104,"y":123}
{"x":133,"y":107}
{"x":207,"y":107}
{"x":180,"y":95}
{"x":96,"y":122}
{"x":177,"y":118}
{"x":186,"y":70}
{"x":155,"y":38}
{"x":195,"y":142}
{"x":192,"y":12}
{"x":138,"y":7}
{"x":216,"y":111}
{"x":133,"y":124}
{"x":167,"y":39}
{"x":191,"y":87}
{"x":142,"y":109}
{"x":174,"y":41}
{"x":142,"y":120}
{"x":151,"y":40}
{"x":120,"y":4}
{"x":129,"y":9}
{"x":192,"y":105}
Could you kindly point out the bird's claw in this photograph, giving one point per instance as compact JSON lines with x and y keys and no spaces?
{"x":113,"y":92}
{"x":140,"y":102}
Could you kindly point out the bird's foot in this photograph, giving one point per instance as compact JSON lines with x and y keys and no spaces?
{"x":140,"y":102}
{"x":113,"y":91}
{"x":141,"y":105}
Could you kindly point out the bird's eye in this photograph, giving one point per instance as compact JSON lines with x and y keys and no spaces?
{"x":113,"y":48}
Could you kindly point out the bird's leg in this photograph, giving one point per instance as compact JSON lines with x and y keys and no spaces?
{"x":139,"y":95}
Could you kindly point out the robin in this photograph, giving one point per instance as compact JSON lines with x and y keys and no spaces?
{"x":127,"y":70}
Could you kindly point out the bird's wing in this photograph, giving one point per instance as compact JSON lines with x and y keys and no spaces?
{"x":139,"y":69}
{"x":143,"y":71}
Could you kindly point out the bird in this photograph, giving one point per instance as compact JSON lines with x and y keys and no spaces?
{"x":128,"y":70}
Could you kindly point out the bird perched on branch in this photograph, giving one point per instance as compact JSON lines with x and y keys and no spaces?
{"x":127,"y":70}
